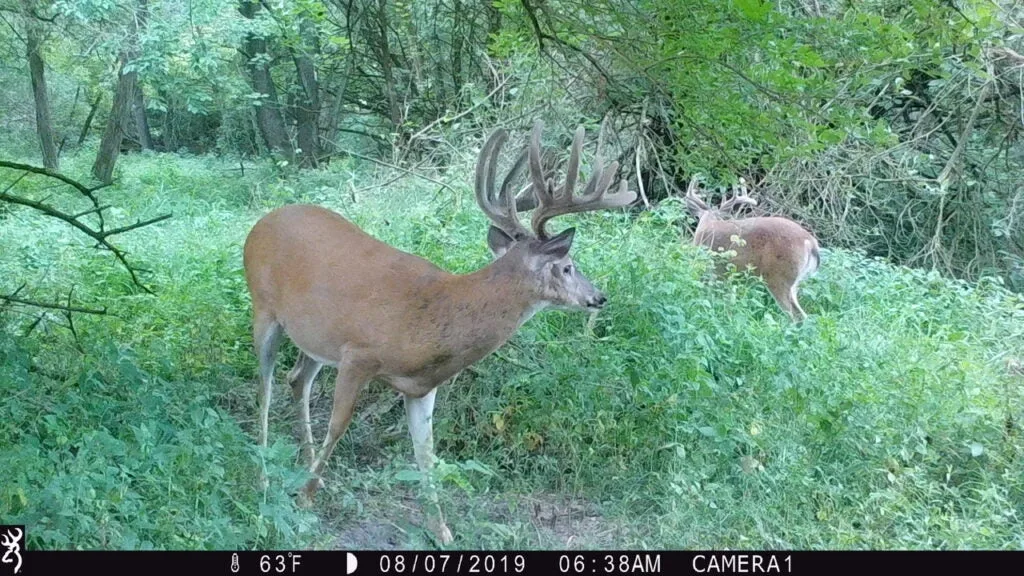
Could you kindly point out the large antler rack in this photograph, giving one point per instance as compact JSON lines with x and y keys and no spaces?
{"x":500,"y":203}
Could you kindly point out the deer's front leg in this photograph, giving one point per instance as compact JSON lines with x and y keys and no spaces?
{"x":420,"y":412}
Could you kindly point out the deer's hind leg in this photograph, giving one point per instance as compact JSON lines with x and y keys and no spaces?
{"x":795,"y":304}
{"x":784,"y":292}
{"x":301,"y":378}
{"x":267,"y":339}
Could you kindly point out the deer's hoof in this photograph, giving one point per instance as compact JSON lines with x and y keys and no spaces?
{"x":308,"y":492}
{"x":441,"y":532}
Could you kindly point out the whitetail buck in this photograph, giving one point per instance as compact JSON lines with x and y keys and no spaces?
{"x":779,"y":250}
{"x":351,"y":301}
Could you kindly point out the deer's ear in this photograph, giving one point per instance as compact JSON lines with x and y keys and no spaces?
{"x":498,"y":241}
{"x":559,"y":245}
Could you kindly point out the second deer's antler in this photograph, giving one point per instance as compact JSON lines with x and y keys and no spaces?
{"x":693,"y":201}
{"x":738,"y":199}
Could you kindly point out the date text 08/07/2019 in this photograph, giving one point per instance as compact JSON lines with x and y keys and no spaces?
{"x":451,"y":563}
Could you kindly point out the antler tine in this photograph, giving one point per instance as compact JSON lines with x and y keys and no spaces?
{"x":735,"y":194}
{"x":691,"y":187}
{"x":497,"y":206}
{"x":572,"y":169}
{"x":593,"y":198}
{"x":482,"y":162}
{"x":540,"y":186}
{"x":599,"y":181}
{"x":694,"y":204}
{"x":513,"y":173}
{"x":526,"y":199}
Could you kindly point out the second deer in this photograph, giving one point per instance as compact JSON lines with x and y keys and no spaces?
{"x":778,"y":249}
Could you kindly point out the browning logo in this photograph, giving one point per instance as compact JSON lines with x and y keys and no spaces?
{"x":12,"y":541}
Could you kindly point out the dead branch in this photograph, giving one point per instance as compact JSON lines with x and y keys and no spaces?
{"x":100,"y":233}
{"x":52,"y":305}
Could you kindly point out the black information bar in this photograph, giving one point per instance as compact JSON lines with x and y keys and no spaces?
{"x":299,"y":562}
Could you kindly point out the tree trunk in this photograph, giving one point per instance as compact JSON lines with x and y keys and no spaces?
{"x":141,"y":123}
{"x":121,"y":107}
{"x":307,"y":113}
{"x":268,"y":112}
{"x":169,"y":136}
{"x":382,"y":47}
{"x":110,"y":145}
{"x":37,"y":71}
{"x":333,"y":119}
{"x":457,"y":43}
{"x":139,"y":102}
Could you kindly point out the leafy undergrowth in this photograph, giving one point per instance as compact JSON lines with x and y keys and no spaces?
{"x":689,"y":413}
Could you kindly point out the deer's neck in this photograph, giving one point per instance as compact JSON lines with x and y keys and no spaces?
{"x":485,"y":308}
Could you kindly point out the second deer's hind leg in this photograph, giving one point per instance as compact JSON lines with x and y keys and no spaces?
{"x":301,"y":379}
{"x":799,"y":314}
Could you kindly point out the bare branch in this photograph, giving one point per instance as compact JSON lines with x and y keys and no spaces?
{"x":85,"y":190}
{"x":138,"y":224}
{"x":99,"y":235}
{"x":395,"y":167}
{"x":68,"y":308}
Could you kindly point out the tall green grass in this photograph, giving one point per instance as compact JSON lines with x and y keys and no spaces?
{"x":689,"y":413}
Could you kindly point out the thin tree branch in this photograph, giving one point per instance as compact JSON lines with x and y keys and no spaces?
{"x":85,"y":190}
{"x":394,"y":167}
{"x":100,"y":234}
{"x":53,"y":306}
{"x":138,"y":224}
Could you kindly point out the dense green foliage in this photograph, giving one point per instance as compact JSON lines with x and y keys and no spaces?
{"x":689,"y":413}
{"x":888,"y":126}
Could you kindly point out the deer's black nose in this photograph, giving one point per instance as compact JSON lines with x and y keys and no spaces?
{"x":597,"y":301}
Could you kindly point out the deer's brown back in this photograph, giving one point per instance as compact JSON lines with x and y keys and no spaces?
{"x":325,"y":280}
{"x":773,"y":246}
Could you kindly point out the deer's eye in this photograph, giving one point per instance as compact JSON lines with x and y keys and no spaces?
{"x":567,"y":270}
